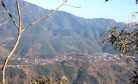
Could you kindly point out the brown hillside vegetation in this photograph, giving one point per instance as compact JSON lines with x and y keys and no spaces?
{"x":79,"y":69}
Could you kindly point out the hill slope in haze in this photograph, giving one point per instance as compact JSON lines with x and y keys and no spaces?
{"x":62,"y":33}
{"x":99,"y":68}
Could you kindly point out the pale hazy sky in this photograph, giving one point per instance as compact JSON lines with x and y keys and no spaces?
{"x":119,"y":10}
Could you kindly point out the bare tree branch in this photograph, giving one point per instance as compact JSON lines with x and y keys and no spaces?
{"x":73,"y":6}
{"x":27,"y":4}
{"x":4,"y":22}
{"x":19,"y":15}
{"x":9,"y":56}
{"x":21,"y":29}
{"x":45,"y":17}
{"x":8,"y":12}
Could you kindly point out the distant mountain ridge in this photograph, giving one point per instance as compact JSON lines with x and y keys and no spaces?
{"x":62,"y":33}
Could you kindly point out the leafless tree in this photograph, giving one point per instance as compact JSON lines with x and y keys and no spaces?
{"x":21,"y":28}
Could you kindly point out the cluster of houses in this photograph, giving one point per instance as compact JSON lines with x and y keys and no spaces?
{"x":89,"y":57}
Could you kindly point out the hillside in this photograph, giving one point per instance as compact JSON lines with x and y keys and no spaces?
{"x":63,"y":45}
{"x":101,"y":68}
{"x":63,"y":33}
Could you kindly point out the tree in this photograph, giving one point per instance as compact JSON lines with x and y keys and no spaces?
{"x":21,"y":28}
{"x":125,"y":41}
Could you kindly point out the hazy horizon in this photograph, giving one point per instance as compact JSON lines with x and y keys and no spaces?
{"x":115,"y":9}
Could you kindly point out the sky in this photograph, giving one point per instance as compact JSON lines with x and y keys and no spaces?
{"x":119,"y":10}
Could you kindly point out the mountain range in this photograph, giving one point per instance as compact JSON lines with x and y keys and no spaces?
{"x":71,"y":44}
{"x":62,"y":33}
